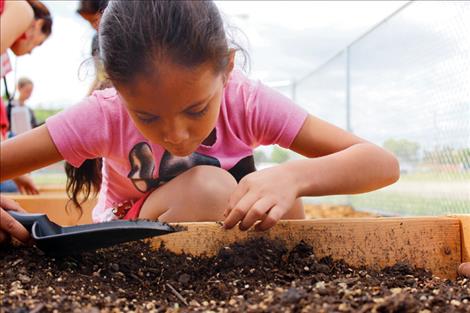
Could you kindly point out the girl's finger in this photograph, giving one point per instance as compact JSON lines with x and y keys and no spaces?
{"x":10,"y":204}
{"x":13,"y":227}
{"x":239,"y":210}
{"x":273,"y":216}
{"x":256,"y":212}
{"x":4,"y":237}
{"x":237,"y":194}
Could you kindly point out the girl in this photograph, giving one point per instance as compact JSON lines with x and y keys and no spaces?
{"x":23,"y":26}
{"x":176,"y":134}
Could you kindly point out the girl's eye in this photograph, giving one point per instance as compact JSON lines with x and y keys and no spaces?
{"x":198,"y":113}
{"x":148,"y":120}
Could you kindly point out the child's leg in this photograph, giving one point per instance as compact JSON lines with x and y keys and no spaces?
{"x":199,"y":194}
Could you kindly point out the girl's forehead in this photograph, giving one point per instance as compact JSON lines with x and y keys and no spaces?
{"x":176,"y":86}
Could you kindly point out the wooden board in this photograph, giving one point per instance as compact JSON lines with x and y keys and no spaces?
{"x":54,"y":206}
{"x":429,"y":242}
{"x":436,"y":243}
{"x":465,"y":236}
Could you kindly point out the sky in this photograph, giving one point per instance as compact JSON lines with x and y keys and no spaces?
{"x":285,"y":40}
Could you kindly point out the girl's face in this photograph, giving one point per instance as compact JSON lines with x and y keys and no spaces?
{"x":179,"y":109}
{"x":34,"y":38}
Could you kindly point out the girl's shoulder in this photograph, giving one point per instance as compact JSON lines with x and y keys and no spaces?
{"x":106,"y":95}
{"x":107,"y":100}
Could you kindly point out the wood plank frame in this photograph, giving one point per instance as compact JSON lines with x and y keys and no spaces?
{"x":465,"y":236}
{"x":53,"y":204}
{"x":436,"y":243}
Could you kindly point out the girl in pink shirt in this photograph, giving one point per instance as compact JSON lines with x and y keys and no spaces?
{"x":174,"y":139}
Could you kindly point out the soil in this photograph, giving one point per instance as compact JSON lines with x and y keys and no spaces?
{"x":257,"y":276}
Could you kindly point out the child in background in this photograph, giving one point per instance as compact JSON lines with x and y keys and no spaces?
{"x":24,"y":25}
{"x":91,"y":10}
{"x":22,"y":117}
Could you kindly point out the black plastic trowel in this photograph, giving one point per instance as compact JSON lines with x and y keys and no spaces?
{"x":54,"y":239}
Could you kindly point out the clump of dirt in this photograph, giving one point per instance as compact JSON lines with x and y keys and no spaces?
{"x":256,"y":276}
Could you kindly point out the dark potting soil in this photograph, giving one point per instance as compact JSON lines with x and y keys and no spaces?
{"x":257,"y":276}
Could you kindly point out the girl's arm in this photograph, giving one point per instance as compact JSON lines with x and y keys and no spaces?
{"x":338,"y":163}
{"x":17,"y":16}
{"x":27,"y":152}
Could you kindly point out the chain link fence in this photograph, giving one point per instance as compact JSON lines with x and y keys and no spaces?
{"x":405,"y":85}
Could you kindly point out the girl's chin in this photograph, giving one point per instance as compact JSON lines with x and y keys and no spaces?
{"x":181,"y":152}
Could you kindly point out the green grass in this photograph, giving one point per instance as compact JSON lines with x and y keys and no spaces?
{"x":436,"y":176}
{"x":395,"y":203}
{"x":406,"y":204}
{"x":43,"y":114}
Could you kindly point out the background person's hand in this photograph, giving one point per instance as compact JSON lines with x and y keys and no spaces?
{"x":464,"y":269}
{"x":9,"y":227}
{"x":26,"y":185}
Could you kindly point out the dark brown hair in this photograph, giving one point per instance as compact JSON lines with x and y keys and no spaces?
{"x":91,"y":6}
{"x":134,"y":36}
{"x":42,"y":12}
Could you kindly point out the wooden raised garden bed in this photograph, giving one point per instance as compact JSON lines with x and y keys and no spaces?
{"x":316,"y":265}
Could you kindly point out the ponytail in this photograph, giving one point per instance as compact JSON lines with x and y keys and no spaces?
{"x":83,"y":181}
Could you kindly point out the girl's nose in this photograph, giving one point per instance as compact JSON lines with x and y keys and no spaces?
{"x":175,"y":135}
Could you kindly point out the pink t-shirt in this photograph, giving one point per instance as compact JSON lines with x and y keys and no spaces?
{"x":251,"y":115}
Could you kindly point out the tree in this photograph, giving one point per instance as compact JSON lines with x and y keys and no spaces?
{"x":405,"y":150}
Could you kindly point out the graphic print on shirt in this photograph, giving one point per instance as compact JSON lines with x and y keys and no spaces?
{"x":143,"y":166}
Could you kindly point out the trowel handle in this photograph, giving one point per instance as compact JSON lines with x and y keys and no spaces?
{"x":27,"y":219}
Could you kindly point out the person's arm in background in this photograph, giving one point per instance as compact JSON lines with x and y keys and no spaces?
{"x":26,"y":185}
{"x":15,"y":19}
{"x":20,"y":155}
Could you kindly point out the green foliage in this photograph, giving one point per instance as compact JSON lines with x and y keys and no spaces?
{"x":279,"y":155}
{"x":405,"y":150}
{"x":260,"y":156}
{"x":448,"y":155}
{"x":43,"y":114}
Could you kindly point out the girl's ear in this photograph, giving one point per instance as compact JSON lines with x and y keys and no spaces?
{"x":230,"y":65}
{"x":38,"y":25}
{"x":29,"y":33}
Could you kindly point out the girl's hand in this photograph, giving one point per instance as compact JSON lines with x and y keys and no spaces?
{"x":263,"y":196}
{"x":8,"y":225}
{"x":26,"y":185}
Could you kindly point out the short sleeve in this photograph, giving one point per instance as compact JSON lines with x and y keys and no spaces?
{"x":272,"y":117}
{"x":81,"y":132}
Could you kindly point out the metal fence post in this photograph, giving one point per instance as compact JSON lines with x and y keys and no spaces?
{"x":348,"y":91}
